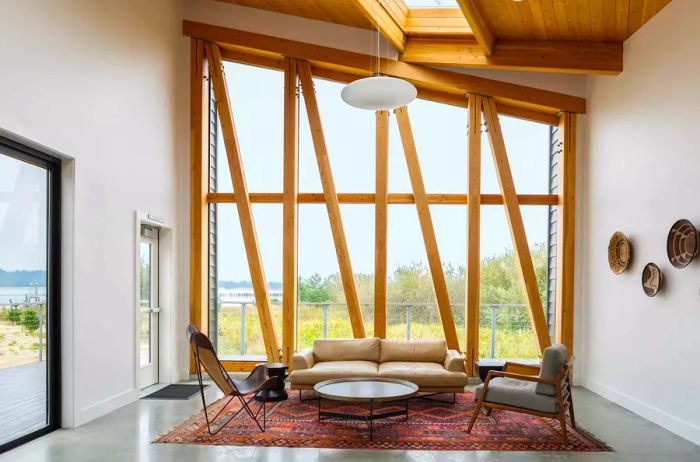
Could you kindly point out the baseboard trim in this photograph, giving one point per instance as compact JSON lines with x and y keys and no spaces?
{"x":107,"y":405}
{"x":676,"y":425}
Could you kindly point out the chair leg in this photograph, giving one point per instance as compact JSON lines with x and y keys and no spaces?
{"x":564,"y":436}
{"x":475,"y":414}
{"x":488,"y":410}
{"x":571,"y":410}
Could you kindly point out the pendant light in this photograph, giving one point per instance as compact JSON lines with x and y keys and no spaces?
{"x":378,"y":92}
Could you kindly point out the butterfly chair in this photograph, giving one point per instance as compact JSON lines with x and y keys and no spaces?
{"x":543,"y":391}
{"x":258,"y":380}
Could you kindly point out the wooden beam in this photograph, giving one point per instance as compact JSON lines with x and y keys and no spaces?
{"x":472,"y":299}
{"x":478,"y":24}
{"x":381,"y":201}
{"x":358,"y":64}
{"x":199,"y":187}
{"x":522,"y":55}
{"x":427,"y":229}
{"x":515,"y":223}
{"x":331,"y":200}
{"x":289,"y":212}
{"x":393,"y":198}
{"x":245,"y":211}
{"x":380,"y":18}
{"x":566,"y":225}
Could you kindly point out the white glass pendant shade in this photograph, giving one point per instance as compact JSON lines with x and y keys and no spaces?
{"x":379,"y":93}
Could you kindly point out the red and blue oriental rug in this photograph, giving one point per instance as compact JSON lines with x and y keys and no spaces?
{"x":430,"y":426}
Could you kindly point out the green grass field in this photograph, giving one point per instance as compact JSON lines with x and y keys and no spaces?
{"x":511,"y":341}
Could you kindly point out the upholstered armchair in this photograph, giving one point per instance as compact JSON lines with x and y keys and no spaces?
{"x":537,"y":390}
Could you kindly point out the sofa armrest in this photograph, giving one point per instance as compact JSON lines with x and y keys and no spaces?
{"x":454,"y":361}
{"x":303,"y":359}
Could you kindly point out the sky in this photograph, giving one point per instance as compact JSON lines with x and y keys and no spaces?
{"x":440,"y":135}
{"x":22,"y":215}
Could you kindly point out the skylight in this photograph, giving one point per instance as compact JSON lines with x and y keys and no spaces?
{"x":431,"y":3}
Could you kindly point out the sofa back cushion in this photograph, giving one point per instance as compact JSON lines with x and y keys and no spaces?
{"x":425,"y":351}
{"x":366,"y":349}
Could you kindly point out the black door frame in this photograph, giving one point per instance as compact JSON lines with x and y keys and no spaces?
{"x":40,"y":158}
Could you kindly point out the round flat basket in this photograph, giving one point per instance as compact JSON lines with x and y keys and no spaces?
{"x":682,"y":243}
{"x":619,"y":253}
{"x":652,"y":279}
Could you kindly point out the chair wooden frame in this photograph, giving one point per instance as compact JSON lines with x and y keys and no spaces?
{"x":562,"y":385}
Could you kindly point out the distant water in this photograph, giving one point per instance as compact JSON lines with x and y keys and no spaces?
{"x":20,"y":294}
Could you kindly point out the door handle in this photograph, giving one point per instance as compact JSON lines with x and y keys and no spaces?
{"x":150,"y":310}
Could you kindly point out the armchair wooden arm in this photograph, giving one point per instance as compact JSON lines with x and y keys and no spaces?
{"x":520,"y":368}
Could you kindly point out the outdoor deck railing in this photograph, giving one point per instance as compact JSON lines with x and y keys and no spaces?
{"x":507,"y":317}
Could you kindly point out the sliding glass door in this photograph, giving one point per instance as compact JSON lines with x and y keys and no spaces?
{"x":29,"y":293}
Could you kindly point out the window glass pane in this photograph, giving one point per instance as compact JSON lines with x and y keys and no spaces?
{"x":527,"y":146}
{"x":239,"y":333}
{"x":440,"y":134}
{"x":23,"y":314}
{"x":349,"y":134}
{"x":257,"y":103}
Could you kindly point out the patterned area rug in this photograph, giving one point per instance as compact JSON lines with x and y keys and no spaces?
{"x":430,"y":426}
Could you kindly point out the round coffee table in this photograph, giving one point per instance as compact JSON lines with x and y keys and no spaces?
{"x":369,"y":390}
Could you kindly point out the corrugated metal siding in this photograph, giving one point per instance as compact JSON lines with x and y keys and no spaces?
{"x":555,"y":147}
{"x":213,"y":285}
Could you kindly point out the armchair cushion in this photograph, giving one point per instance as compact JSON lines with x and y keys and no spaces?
{"x":553,"y":360}
{"x":347,"y":350}
{"x":517,"y":393}
{"x":425,"y":351}
{"x":453,"y":361}
{"x":303,"y":359}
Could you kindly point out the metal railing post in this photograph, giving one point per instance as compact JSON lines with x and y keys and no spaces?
{"x":41,"y":334}
{"x":493,"y":331}
{"x":325,"y":320}
{"x":243,"y":305}
{"x":408,"y":322}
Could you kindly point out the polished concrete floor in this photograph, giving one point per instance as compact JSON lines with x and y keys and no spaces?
{"x":126,"y":435}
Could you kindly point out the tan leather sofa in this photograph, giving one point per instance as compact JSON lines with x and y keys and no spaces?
{"x":427,"y":363}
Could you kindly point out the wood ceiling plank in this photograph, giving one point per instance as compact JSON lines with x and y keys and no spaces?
{"x":331,"y":199}
{"x":478,"y":24}
{"x":383,"y":21}
{"x":550,"y":19}
{"x":585,"y":28}
{"x":444,"y":22}
{"x":427,"y":229}
{"x":616,"y":29}
{"x":243,"y":205}
{"x":358,"y":64}
{"x":538,"y":20}
{"x":597,"y":25}
{"x":636,"y":16}
{"x":542,"y":55}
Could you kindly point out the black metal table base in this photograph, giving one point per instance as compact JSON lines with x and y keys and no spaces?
{"x":368,"y":419}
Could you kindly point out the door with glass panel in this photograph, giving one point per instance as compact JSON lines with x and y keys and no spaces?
{"x":29,"y":293}
{"x":148,"y":305}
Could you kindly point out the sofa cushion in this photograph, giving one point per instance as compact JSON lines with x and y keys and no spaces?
{"x":428,"y":351}
{"x":347,"y":350}
{"x":517,"y":393}
{"x":423,"y":374}
{"x":333,"y":370}
{"x":553,"y":360}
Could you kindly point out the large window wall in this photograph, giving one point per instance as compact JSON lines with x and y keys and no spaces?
{"x":441,"y":138}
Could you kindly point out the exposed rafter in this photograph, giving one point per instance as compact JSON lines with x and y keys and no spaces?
{"x":358,"y":64}
{"x":480,"y":28}
{"x":377,"y":14}
{"x":524,"y":55}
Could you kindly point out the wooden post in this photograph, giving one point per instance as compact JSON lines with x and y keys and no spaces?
{"x":289,"y":239}
{"x":199,"y":188}
{"x":381,"y":199}
{"x":566,"y":224}
{"x":473,"y":234}
{"x":331,"y":199}
{"x":517,"y":228}
{"x":245,"y":211}
{"x":426,"y":224}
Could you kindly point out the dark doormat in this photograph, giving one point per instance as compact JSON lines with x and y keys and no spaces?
{"x":177,"y":391}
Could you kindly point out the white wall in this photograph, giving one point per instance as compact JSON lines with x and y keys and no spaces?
{"x":106,"y":84}
{"x":640,"y":174}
